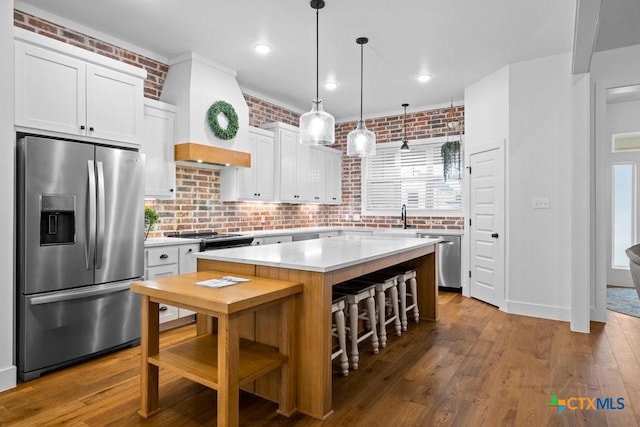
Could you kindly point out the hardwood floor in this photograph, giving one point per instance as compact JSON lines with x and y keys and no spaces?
{"x":477,"y":366}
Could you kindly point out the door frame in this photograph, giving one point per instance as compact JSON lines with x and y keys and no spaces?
{"x":598,"y":293}
{"x":500,"y":144}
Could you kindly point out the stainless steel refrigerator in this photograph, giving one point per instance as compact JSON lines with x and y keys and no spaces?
{"x":80,"y":242}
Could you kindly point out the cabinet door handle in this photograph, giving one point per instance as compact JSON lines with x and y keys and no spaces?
{"x":91,"y":129}
{"x":164,"y":256}
{"x":163,"y":308}
{"x":171,"y":190}
{"x":190,"y":250}
{"x":494,"y":235}
{"x":82,"y":127}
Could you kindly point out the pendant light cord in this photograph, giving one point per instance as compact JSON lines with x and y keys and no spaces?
{"x":404,"y":134}
{"x":317,"y":55}
{"x":361,"y":76}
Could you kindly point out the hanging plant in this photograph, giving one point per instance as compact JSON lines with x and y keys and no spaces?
{"x":150,"y":218}
{"x":450,"y":152}
{"x":226,"y":109}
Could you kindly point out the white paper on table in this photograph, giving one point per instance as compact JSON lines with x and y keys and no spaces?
{"x":222,"y":282}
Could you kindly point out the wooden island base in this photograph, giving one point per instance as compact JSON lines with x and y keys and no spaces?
{"x":314,"y":370}
{"x":217,"y":357}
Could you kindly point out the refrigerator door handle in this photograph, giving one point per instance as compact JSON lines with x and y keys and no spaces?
{"x":91,"y":213}
{"x":101,"y":216}
{"x":80,"y":293}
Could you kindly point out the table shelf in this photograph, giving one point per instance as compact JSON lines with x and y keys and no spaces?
{"x":197,"y":360}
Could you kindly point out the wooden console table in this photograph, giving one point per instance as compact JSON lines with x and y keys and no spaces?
{"x":217,"y":357}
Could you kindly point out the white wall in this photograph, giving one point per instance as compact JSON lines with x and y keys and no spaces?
{"x":486,"y":124}
{"x":7,"y":147}
{"x":528,"y":104}
{"x":539,"y":165}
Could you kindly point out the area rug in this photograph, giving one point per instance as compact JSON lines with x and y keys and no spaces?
{"x":623,"y":300}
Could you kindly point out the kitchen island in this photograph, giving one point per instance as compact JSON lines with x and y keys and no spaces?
{"x":318,"y":265}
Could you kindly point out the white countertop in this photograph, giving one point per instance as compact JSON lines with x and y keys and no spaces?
{"x":321,"y":255}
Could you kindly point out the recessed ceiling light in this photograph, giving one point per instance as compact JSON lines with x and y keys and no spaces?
{"x":330,"y":85}
{"x":262,"y":48}
{"x":423,"y":78}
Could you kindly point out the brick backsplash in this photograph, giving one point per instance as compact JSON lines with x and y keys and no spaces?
{"x":197,"y":204}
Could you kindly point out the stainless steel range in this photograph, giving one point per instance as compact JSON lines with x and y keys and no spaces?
{"x":210,"y":240}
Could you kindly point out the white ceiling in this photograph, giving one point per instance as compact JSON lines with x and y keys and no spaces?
{"x":456,"y":41}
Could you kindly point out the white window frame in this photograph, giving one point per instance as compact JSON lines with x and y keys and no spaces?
{"x":410,"y":212}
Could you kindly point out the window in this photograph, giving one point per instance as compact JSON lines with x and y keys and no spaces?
{"x":623,"y":213}
{"x":392,"y":178}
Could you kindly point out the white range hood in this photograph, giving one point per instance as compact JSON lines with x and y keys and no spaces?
{"x":193,"y":84}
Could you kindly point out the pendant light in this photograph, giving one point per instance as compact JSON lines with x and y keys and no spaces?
{"x":361,"y":141}
{"x":405,"y":143}
{"x":317,"y":127}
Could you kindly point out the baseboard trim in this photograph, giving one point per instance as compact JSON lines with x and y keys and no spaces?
{"x":537,"y":310}
{"x":8,"y":377}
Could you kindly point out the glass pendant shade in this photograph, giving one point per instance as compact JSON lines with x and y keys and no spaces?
{"x":361,"y":141}
{"x":317,"y":127}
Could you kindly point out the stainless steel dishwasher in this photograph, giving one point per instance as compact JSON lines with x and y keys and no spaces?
{"x":449,"y":262}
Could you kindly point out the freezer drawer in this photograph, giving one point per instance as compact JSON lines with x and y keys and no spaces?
{"x":59,"y":328}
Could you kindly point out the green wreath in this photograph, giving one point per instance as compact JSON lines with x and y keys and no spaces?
{"x":232,"y":119}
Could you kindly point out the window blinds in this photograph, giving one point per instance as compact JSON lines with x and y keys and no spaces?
{"x":414,"y":178}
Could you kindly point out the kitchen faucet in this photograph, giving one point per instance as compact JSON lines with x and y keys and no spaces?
{"x":403,"y":216}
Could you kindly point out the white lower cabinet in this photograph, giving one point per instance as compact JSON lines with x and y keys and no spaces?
{"x":271,"y":240}
{"x":169,"y":260}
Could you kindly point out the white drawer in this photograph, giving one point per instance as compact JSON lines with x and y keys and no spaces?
{"x":162,"y":256}
{"x":167,"y":313}
{"x":161,"y":271}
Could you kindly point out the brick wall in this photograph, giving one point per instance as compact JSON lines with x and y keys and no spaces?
{"x":197,"y":204}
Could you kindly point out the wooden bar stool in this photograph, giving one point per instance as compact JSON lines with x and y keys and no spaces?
{"x":406,"y":275}
{"x":338,"y":330}
{"x":355,"y":293}
{"x":387,"y":297}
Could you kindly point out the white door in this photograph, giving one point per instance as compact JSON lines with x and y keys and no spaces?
{"x":486,"y":228}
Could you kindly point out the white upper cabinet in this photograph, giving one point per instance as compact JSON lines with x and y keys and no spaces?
{"x":157,"y":145}
{"x":317,"y":160}
{"x":115,"y":105}
{"x":302,"y":172}
{"x":257,"y":181}
{"x":333,"y":176}
{"x":294,"y":165}
{"x":62,"y":89}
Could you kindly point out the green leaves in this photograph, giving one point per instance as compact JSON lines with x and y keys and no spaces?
{"x":150,"y":218}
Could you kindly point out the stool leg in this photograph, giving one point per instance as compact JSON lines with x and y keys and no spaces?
{"x":353,"y":324}
{"x":382,"y":318}
{"x":396,"y":310}
{"x":371,"y":306}
{"x":402,"y":289}
{"x":414,"y":297}
{"x":342,"y":342}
